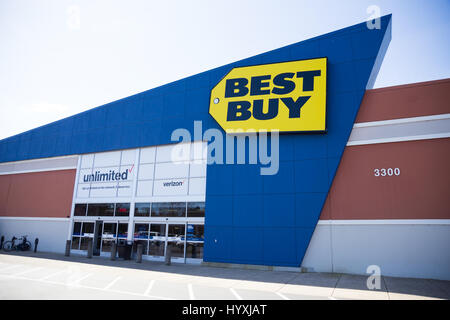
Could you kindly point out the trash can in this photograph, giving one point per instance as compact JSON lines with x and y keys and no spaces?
{"x":124,"y":250}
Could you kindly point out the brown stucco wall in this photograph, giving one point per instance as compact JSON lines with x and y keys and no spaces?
{"x":405,"y":101}
{"x":421,"y":191}
{"x":37,"y":194}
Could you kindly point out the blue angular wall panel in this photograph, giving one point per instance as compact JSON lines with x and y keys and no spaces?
{"x":247,"y":179}
{"x":251,"y":253}
{"x":311,"y":175}
{"x":279,"y":210}
{"x":302,"y":238}
{"x":279,"y":246}
{"x":308,"y":207}
{"x":247,"y":210}
{"x":286,"y":147}
{"x":221,"y":206}
{"x":223,"y":177}
{"x":311,"y":147}
{"x":282,"y":182}
{"x":219,"y":240}
{"x":250,"y":218}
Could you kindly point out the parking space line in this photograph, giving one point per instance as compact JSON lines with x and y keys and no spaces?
{"x":76,"y":282}
{"x":191,"y":292}
{"x":89,"y":287}
{"x":149,"y":288}
{"x":27,"y":271}
{"x":112,"y":283}
{"x":282,"y":296}
{"x":235,"y":294}
{"x":52,"y":275}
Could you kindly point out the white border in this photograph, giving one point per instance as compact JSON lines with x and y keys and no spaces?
{"x":401,"y":120}
{"x":386,"y":222}
{"x":35,"y":219}
{"x":41,"y":159}
{"x":400,"y":139}
{"x":393,"y":122}
{"x":38,"y":170}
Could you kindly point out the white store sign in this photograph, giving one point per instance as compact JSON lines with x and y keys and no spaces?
{"x":150,"y":170}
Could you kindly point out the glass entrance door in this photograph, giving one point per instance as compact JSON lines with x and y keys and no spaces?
{"x":176,"y":237}
{"x":184,"y":239}
{"x":157,"y":236}
{"x":195,"y":238}
{"x":103,"y":233}
{"x":109,"y":235}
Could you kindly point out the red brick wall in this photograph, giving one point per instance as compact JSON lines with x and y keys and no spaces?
{"x":37,"y":194}
{"x":406,"y":101}
{"x":422,"y":191}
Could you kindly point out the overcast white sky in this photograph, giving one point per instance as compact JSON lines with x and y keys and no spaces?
{"x":61,"y":57}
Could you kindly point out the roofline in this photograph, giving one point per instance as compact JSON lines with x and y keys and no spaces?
{"x":410,"y":85}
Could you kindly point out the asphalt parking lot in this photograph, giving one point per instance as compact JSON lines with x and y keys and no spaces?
{"x":53,"y":276}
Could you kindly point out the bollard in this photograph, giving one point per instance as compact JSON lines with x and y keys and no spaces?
{"x":113,"y":251}
{"x":68,"y":245}
{"x":168,"y":254}
{"x":140,"y":249}
{"x":36,"y":241}
{"x":90,"y":248}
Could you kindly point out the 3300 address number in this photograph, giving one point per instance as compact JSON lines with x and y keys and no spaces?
{"x":383,"y":172}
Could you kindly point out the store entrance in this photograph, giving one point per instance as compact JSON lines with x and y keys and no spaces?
{"x":102,"y":233}
{"x":183,"y":237}
{"x":184,"y":240}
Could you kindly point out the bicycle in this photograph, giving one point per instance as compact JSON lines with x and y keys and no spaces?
{"x":24,"y":245}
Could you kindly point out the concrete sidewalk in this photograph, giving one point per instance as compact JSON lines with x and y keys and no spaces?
{"x":28,"y":275}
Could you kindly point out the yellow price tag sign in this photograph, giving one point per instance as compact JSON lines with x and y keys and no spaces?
{"x":286,"y":96}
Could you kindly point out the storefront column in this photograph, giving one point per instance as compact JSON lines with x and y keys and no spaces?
{"x":133,"y":195}
{"x":74,"y":196}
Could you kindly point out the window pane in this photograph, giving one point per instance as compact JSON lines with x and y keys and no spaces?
{"x":196,"y":209}
{"x":158,"y":231}
{"x":157,"y":239}
{"x":145,"y":246}
{"x":195,"y":240}
{"x":142,"y":209}
{"x":122,"y":230}
{"x":194,"y":250}
{"x":195,"y":232}
{"x":75,"y":243}
{"x":175,"y":238}
{"x":169,"y":209}
{"x":109,"y":230}
{"x":122,"y":209}
{"x":106,"y":245}
{"x":80,"y":210}
{"x":101,"y":209}
{"x":88,"y":229}
{"x":141,"y":231}
{"x":156,"y":248}
{"x":84,"y":243}
{"x":76,"y":228}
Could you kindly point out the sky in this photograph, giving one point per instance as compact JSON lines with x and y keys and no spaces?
{"x":61,"y":57}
